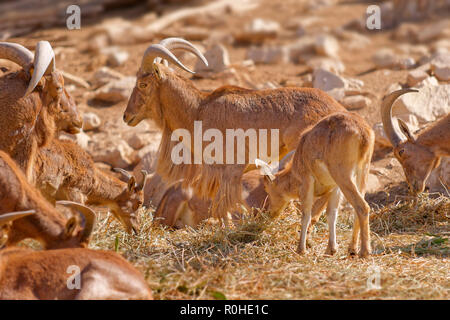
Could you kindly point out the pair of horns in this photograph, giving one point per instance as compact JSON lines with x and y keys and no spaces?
{"x":391,"y":131}
{"x":161,"y":52}
{"x":41,"y":63}
{"x":130,"y":177}
{"x":87,"y":215}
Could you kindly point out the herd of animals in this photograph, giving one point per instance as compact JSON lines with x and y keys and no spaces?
{"x":39,"y":173}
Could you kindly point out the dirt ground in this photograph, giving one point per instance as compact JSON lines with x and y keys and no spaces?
{"x":257,"y":260}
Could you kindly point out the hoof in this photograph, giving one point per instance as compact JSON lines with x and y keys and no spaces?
{"x":301,"y":251}
{"x":364,"y":254}
{"x":330,"y":250}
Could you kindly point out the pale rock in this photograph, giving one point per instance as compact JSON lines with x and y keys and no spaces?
{"x":138,"y":140}
{"x":268,"y":54}
{"x":431,"y":32}
{"x":115,"y":91}
{"x":415,"y":76}
{"x":385,"y":58}
{"x":104,"y":75}
{"x":373,"y":183}
{"x":258,"y":30}
{"x":428,"y":104}
{"x":91,"y":121}
{"x":218,"y":60}
{"x":427,"y":82}
{"x":328,"y":64}
{"x":115,"y":152}
{"x":327,"y":81}
{"x":115,"y":56}
{"x":440,"y":66}
{"x":326,"y":45}
{"x":355,"y":102}
{"x":302,"y":49}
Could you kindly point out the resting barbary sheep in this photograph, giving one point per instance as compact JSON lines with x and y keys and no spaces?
{"x":103,"y":274}
{"x":174,"y":103}
{"x":34,"y":103}
{"x":64,"y":171}
{"x":47,"y":225}
{"x":179,"y":207}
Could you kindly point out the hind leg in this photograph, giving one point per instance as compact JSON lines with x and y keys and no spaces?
{"x":307,"y":199}
{"x":352,"y":249}
{"x":332,"y":212}
{"x":348,"y":187}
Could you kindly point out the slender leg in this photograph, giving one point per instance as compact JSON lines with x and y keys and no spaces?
{"x":307,"y":199}
{"x":317,"y":209}
{"x":332,"y":212}
{"x":352,"y":249}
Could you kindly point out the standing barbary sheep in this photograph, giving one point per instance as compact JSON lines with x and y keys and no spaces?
{"x":332,"y":157}
{"x":418,"y":156}
{"x":34,"y":103}
{"x":174,"y":103}
{"x":47,"y":225}
{"x":103,"y":275}
{"x":179,"y":207}
{"x":64,"y":171}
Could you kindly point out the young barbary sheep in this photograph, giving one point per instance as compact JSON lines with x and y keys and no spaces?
{"x":47,"y":225}
{"x":174,"y":103}
{"x":417,"y":155}
{"x":34,"y":104}
{"x":332,"y":157}
{"x":48,"y":275}
{"x":64,"y":171}
{"x":180,"y":207}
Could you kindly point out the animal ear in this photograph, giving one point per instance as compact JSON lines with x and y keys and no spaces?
{"x":405,"y":130}
{"x":157,"y":72}
{"x":131,"y":184}
{"x":71,"y":225}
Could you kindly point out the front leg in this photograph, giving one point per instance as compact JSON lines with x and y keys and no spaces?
{"x":307,"y":199}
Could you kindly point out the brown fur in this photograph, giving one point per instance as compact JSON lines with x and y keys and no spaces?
{"x":31,"y":122}
{"x":64,"y":171}
{"x":48,"y":225}
{"x":29,"y":275}
{"x":179,"y":207}
{"x":173,"y":103}
{"x":332,"y":157}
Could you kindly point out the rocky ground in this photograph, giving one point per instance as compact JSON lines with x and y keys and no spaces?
{"x":269,"y":44}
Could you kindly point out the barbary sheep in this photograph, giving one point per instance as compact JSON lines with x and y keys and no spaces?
{"x":34,"y":103}
{"x":417,"y":155}
{"x":175,"y":104}
{"x":332,"y":157}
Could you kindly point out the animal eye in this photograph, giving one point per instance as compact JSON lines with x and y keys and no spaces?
{"x":400,"y":152}
{"x":142,"y":85}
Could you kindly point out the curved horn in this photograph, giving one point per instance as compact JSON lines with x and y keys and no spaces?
{"x":266,"y":169}
{"x":16,"y":53}
{"x":157,"y":50}
{"x":7,"y":217}
{"x":87,"y":213}
{"x":125,"y":173}
{"x":386,"y":115}
{"x":145,"y":176}
{"x":178,"y":43}
{"x":44,"y":63}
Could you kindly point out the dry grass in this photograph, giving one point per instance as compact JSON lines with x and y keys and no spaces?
{"x":257,"y":259}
